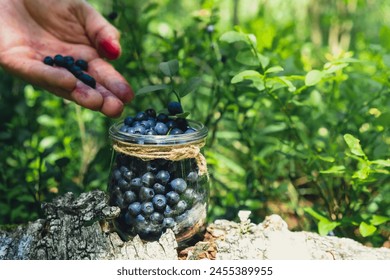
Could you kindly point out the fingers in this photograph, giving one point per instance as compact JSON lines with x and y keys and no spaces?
{"x":102,"y":34}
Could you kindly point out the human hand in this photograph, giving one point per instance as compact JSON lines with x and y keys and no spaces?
{"x":33,"y":29}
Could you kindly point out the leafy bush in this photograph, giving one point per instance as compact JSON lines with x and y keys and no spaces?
{"x":297,"y":126}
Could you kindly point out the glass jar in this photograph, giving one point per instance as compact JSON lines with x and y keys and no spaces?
{"x":159,"y":182}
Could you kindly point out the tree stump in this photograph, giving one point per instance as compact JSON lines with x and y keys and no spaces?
{"x":77,"y":228}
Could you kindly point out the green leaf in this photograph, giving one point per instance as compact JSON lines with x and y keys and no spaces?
{"x":183,"y":115}
{"x":354,"y":145}
{"x":377,"y":220}
{"x":152,"y":88}
{"x":366,"y":229}
{"x":169,"y":68}
{"x":314,"y":214}
{"x":190,"y":86}
{"x":336,"y":169}
{"x":247,"y":58}
{"x":245,"y":75}
{"x":233,"y":36}
{"x":325,"y":226}
{"x":382,"y":162}
{"x":326,"y":158}
{"x":274,"y":69}
{"x":314,"y":77}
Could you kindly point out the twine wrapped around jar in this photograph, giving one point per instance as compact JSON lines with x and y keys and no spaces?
{"x":174,"y":152}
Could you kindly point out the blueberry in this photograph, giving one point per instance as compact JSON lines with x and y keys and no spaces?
{"x":59,"y":60}
{"x":158,"y":188}
{"x":180,"y":207}
{"x":135,"y":183}
{"x":156,"y":218}
{"x":189,"y":196}
{"x":82,"y":64}
{"x":189,"y":130}
{"x":141,"y":116}
{"x":128,"y":121}
{"x":151,"y":166}
{"x":168,"y":212}
{"x":192,"y":177}
{"x":146,"y":124}
{"x":120,"y":202}
{"x":171,"y":124}
{"x":163,"y":177}
{"x":176,"y":131}
{"x":159,"y":202}
{"x":123,"y":169}
{"x":172,"y":197}
{"x":162,"y":118}
{"x":140,"y":220}
{"x":116,"y":174}
{"x":139,"y":129}
{"x":146,"y":194}
{"x":169,"y":222}
{"x":68,"y":62}
{"x":113,"y":15}
{"x":134,"y":208}
{"x":181,"y":123}
{"x":128,"y":175}
{"x":123,"y":184}
{"x":75,"y":70}
{"x":88,"y":80}
{"x":178,"y":185}
{"x":147,"y":208}
{"x":48,"y":60}
{"x":150,"y":112}
{"x":150,"y":132}
{"x":148,"y":179}
{"x":129,"y":197}
{"x":161,"y":128}
{"x":131,"y":130}
{"x":174,"y":108}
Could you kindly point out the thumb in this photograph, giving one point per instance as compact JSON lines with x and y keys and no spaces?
{"x":102,"y":34}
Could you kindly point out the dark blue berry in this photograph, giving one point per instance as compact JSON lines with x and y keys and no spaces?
{"x":192,"y":177}
{"x":139,"y":129}
{"x":129,"y":197}
{"x":150,"y":112}
{"x":150,"y":132}
{"x":159,"y":202}
{"x":129,"y":219}
{"x":141,"y":116}
{"x":189,"y":130}
{"x":175,"y":131}
{"x":82,"y":64}
{"x":181,"y":123}
{"x":148,"y":179}
{"x":128,"y":175}
{"x":158,"y":188}
{"x":116,"y":174}
{"x":88,"y":80}
{"x":128,"y":121}
{"x":146,"y":194}
{"x":168,"y":212}
{"x":169,"y":222}
{"x":123,"y":184}
{"x":48,"y":60}
{"x":120,"y":202}
{"x":135,"y":183}
{"x":59,"y":60}
{"x":163,"y":177}
{"x":162,"y":118}
{"x":134,"y":208}
{"x":180,"y":207}
{"x":172,"y":197}
{"x":171,"y":124}
{"x":124,"y":128}
{"x":174,"y":108}
{"x":68,"y":62}
{"x":147,"y":208}
{"x":75,"y":70}
{"x":140,"y":220}
{"x":156,"y":218}
{"x":161,"y":128}
{"x":178,"y":185}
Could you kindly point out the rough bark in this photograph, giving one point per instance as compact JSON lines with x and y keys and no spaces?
{"x":80,"y":228}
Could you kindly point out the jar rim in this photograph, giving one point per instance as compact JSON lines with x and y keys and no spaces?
{"x":199,"y":134}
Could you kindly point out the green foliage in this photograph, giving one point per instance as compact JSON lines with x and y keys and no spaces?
{"x":298,"y":114}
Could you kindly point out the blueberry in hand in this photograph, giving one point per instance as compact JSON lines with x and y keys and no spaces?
{"x":59,"y":60}
{"x":159,"y":202}
{"x":174,"y":108}
{"x":146,"y":194}
{"x":48,"y":60}
{"x":75,"y":70}
{"x":68,"y":61}
{"x":88,"y":80}
{"x":134,"y":208}
{"x":82,"y":64}
{"x":178,"y":185}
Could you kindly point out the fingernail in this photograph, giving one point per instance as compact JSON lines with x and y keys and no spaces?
{"x":110,"y":49}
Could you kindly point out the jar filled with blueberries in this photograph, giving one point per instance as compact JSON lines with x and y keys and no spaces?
{"x":159,"y":176}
